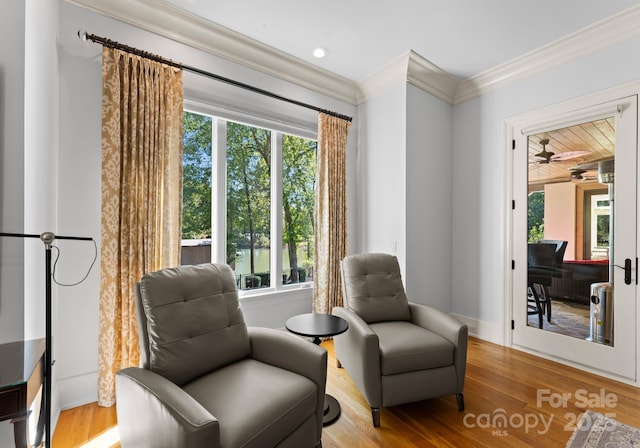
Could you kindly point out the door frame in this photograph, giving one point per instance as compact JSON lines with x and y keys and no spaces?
{"x":581,"y":109}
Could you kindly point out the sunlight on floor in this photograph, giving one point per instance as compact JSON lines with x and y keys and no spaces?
{"x":107,"y":439}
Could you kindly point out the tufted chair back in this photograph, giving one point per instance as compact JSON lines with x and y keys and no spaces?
{"x":372,"y":287}
{"x":190,"y":322}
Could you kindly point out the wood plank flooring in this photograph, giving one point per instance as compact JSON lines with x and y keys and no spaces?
{"x":512,"y":399}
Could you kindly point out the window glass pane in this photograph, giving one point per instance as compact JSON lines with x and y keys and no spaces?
{"x":603,"y":231}
{"x":249,"y":204}
{"x":196,"y":190}
{"x":535,"y":217}
{"x":569,"y":228}
{"x":600,"y":226}
{"x":298,"y":198}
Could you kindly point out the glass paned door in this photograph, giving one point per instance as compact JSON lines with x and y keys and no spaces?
{"x":571,"y":299}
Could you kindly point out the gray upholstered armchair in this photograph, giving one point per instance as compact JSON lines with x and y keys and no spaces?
{"x":396,"y":351}
{"x":207,"y":380}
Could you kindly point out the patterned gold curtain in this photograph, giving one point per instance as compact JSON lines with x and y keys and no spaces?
{"x":330,"y":212}
{"x":141,"y":196}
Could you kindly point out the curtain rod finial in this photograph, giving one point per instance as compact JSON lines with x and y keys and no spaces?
{"x":82,"y":35}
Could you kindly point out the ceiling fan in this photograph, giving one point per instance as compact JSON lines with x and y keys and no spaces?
{"x":545,"y":155}
{"x":583,"y":175}
{"x":549,"y":156}
{"x":593,"y":170}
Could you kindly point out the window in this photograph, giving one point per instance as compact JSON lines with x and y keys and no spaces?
{"x":266,"y":181}
{"x":600,"y":226}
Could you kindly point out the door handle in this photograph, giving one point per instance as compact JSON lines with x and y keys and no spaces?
{"x":627,"y":271}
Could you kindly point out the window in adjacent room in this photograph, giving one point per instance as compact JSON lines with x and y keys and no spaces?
{"x":600,"y":226}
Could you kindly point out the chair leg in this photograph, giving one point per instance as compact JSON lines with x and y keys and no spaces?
{"x":375,"y":414}
{"x":539,"y":305}
{"x":460,"y":400}
{"x":534,"y":306}
{"x":547,"y":299}
{"x":540,"y":318}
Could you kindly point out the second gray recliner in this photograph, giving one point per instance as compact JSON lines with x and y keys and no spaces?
{"x":395,"y":351}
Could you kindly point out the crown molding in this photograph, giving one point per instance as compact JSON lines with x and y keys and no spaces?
{"x":392,"y":74}
{"x":410,"y":68}
{"x":606,"y":33}
{"x":431,"y":78}
{"x":166,"y":20}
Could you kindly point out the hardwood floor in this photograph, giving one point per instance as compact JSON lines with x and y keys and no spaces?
{"x":88,"y":426}
{"x":512,"y":399}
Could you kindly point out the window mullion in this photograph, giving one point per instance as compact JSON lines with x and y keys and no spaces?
{"x":276,"y":210}
{"x":219,"y":193}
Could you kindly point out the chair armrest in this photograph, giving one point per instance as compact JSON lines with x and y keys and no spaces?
{"x":439,"y":322}
{"x":154,"y":412}
{"x":448,"y":327}
{"x":358,"y":350}
{"x":283,"y":349}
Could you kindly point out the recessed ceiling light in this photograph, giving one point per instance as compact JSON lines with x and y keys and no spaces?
{"x":320,"y":52}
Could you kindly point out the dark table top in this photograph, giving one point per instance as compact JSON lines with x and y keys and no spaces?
{"x":316,"y":325}
{"x":18,"y":359}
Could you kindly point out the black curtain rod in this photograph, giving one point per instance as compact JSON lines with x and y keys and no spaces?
{"x":113,"y":44}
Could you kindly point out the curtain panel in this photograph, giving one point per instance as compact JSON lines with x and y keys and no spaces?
{"x":142,"y":103}
{"x":330,"y":212}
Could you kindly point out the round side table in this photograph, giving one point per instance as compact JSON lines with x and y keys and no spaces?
{"x":318,"y":326}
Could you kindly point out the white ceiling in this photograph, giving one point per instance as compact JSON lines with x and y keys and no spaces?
{"x":462,"y":37}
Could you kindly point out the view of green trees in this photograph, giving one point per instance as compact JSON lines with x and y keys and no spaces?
{"x":535,"y":217}
{"x":196,"y":188}
{"x":603,"y":230}
{"x":248,"y":191}
{"x":298,"y":198}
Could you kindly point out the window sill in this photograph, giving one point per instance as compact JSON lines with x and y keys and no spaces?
{"x":301,"y":290}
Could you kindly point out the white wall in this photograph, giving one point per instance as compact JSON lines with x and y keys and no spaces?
{"x":12,"y":31}
{"x":79,"y":176}
{"x":560,"y":215}
{"x":40,"y":152}
{"x":429,"y":157}
{"x":78,"y":215}
{"x":479,"y":166}
{"x":12,"y":41}
{"x":382,"y":170}
{"x":405,"y":144}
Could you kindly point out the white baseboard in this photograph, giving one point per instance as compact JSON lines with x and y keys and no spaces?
{"x":77,"y":390}
{"x":483,"y":330}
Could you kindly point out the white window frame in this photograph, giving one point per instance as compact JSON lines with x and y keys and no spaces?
{"x":220,"y":117}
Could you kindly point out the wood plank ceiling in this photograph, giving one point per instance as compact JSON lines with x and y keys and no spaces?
{"x":576,"y":147}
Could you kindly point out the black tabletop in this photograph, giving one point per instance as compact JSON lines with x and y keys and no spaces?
{"x":316,"y":325}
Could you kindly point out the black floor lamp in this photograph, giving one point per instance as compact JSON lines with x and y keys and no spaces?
{"x":44,"y":420}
